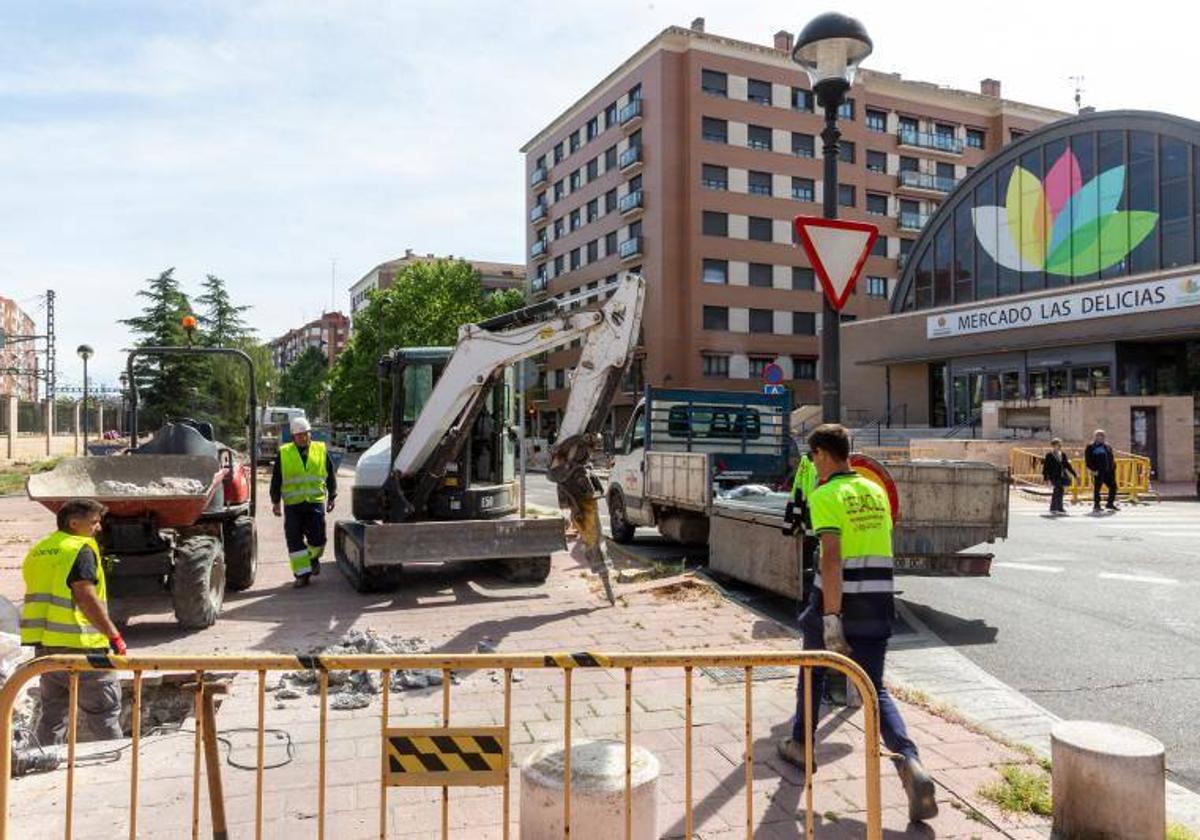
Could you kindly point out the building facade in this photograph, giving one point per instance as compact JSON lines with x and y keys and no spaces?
{"x":329,"y":334}
{"x":18,"y":360}
{"x":689,"y":162}
{"x":495,"y":275}
{"x":1066,"y":267}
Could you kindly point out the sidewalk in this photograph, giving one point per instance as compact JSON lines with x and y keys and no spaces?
{"x":455,"y":612}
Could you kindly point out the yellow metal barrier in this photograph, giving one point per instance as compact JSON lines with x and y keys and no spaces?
{"x":426,"y":752}
{"x":1133,"y":473}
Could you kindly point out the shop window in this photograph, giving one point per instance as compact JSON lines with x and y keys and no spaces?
{"x":1101,"y":381}
{"x":1010,"y":385}
{"x":1080,"y":382}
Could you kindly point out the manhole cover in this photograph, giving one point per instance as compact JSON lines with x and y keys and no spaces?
{"x":728,"y":674}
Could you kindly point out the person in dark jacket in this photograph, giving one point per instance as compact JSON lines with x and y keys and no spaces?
{"x":1056,"y":466}
{"x":1102,"y":464}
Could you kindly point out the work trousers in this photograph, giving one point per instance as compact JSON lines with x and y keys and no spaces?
{"x":304,"y":530}
{"x":870,"y":655}
{"x":1109,"y":480}
{"x":99,"y":703}
{"x":1056,"y":496}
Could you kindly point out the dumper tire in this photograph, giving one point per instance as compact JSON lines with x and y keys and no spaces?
{"x":524,"y":569}
{"x":618,"y":519}
{"x":241,"y":553}
{"x":198,"y":581}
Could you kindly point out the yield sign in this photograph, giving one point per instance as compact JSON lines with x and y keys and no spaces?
{"x":837,"y":250}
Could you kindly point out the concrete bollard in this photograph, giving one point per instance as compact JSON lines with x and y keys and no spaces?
{"x":597,"y":792}
{"x":1107,"y":781}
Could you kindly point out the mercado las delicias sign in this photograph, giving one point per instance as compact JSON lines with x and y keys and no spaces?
{"x":1151,"y":296}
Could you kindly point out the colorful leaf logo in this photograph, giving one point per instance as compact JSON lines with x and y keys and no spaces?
{"x":1060,"y":227}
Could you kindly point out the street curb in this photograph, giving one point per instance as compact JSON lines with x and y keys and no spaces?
{"x":927,"y":664}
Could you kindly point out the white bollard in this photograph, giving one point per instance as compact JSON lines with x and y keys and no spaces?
{"x":597,"y":792}
{"x":1107,"y":781}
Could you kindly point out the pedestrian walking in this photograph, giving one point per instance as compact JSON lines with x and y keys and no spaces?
{"x":305,"y":480}
{"x":852,"y":601}
{"x":1102,"y":464}
{"x":66,"y":611}
{"x":1056,"y":466}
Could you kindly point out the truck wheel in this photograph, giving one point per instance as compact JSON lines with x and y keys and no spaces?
{"x":618,"y":520}
{"x":198,"y":582}
{"x":241,"y":553}
{"x":525,"y":569}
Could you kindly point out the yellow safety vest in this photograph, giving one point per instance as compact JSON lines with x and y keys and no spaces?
{"x":303,"y":481}
{"x":49,"y":615}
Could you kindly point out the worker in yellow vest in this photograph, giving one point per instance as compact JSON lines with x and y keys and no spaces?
{"x":66,"y":611}
{"x":305,"y":481}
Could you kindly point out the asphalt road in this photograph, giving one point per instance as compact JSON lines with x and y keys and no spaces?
{"x":1092,"y":617}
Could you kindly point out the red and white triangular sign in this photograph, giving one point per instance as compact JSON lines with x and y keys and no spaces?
{"x":837,"y":250}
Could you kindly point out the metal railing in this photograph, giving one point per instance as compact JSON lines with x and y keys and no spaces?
{"x":629,"y":157}
{"x":972,"y":422}
{"x":538,"y":176}
{"x":630,"y":112}
{"x":885,"y":420}
{"x":1133,"y":472}
{"x":630,"y":202}
{"x":912,"y":221}
{"x":926,"y":181}
{"x":937,"y":142}
{"x":631,"y":247}
{"x":538,"y":212}
{"x":539,"y":248}
{"x":395,"y":760}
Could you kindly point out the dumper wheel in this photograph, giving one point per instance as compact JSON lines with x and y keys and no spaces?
{"x":525,"y":569}
{"x":618,"y":520}
{"x":241,"y":553}
{"x":198,"y":582}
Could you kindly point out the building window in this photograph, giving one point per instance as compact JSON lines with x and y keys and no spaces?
{"x":575,"y":180}
{"x":759,"y":183}
{"x":877,"y":204}
{"x":909,"y":125}
{"x":715,"y":272}
{"x":610,"y":243}
{"x":846,"y":151}
{"x":560,"y":379}
{"x":610,"y":115}
{"x":610,"y":200}
{"x":593,"y":210}
{"x":635,"y":92}
{"x":758,"y":137}
{"x":760,"y":275}
{"x":593,"y":128}
{"x":715,"y":224}
{"x":558,"y":152}
{"x":715,"y":365}
{"x":802,"y":100}
{"x":593,"y":251}
{"x":1015,"y":134}
{"x":879,"y":249}
{"x":714,"y":177}
{"x":762,"y":321}
{"x":558,"y":227}
{"x":804,"y":323}
{"x":575,"y":220}
{"x":803,"y":189}
{"x":558,"y":265}
{"x":876,"y":161}
{"x":846,"y":110}
{"x":573,"y":141}
{"x":716,"y":318}
{"x":976,"y":138}
{"x":758,"y":365}
{"x":593,"y":169}
{"x":944,"y":131}
{"x":804,"y":369}
{"x":758,"y":91}
{"x":909,"y":164}
{"x":714,"y":83}
{"x":576,"y":258}
{"x":610,"y":158}
{"x":558,"y":190}
{"x":803,"y":279}
{"x":846,"y":195}
{"x":714,"y":130}
{"x":802,"y":144}
{"x":876,"y":120}
{"x":760,"y":229}
{"x":877,"y":287}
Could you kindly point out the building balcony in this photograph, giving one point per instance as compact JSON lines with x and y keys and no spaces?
{"x":630,"y":114}
{"x":630,"y":249}
{"x":926,"y":181}
{"x":538,"y":176}
{"x":913,"y":221}
{"x":539,"y":250}
{"x":936,"y":142}
{"x":538,"y":283}
{"x":538,"y":212}
{"x":630,"y":202}
{"x":630,"y":158}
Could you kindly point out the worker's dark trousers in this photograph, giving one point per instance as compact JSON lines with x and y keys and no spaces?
{"x":869,"y":654}
{"x":1108,"y":479}
{"x":99,"y":703}
{"x":1056,"y":496}
{"x":304,"y":530}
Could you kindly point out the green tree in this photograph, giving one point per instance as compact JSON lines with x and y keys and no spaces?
{"x":303,"y":381}
{"x":425,"y":306}
{"x":228,"y":386}
{"x":222,"y":320}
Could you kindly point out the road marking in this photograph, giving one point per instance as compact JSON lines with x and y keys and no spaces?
{"x":1175,"y":534}
{"x":1031,"y":567}
{"x":1135,"y":578}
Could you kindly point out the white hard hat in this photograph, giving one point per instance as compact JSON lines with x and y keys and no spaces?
{"x":300,"y":425}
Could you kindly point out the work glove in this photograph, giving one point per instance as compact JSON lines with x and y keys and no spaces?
{"x":117,"y":645}
{"x":275,"y":509}
{"x":835,"y":637}
{"x":789,"y":520}
{"x":329,"y":504}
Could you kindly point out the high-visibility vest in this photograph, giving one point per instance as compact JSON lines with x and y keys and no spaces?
{"x":50,"y":615}
{"x":806,"y":478}
{"x":303,"y":481}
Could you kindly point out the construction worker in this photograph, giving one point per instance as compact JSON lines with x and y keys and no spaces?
{"x":851,"y":605}
{"x":797,"y":520}
{"x":306,"y":481}
{"x":66,"y":611}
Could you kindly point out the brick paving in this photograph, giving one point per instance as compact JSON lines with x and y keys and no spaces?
{"x":455,"y":611}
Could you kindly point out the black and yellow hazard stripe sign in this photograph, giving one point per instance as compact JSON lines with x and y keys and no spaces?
{"x":444,"y":757}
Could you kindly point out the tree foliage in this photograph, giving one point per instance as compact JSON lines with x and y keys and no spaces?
{"x":425,"y":306}
{"x":303,"y":382}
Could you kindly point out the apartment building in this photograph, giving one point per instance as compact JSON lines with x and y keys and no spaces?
{"x":18,"y":360}
{"x":328,"y":334}
{"x":688,"y":163}
{"x":494,"y":275}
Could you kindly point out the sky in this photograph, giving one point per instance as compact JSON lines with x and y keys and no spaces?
{"x":285,"y":144}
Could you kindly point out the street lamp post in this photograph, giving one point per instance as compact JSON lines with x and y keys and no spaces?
{"x":829,"y":49}
{"x":85,"y":352}
{"x":124,"y":378}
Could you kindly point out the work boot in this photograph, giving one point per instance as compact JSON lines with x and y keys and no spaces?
{"x":792,"y":751}
{"x":316,"y":566}
{"x":301,"y":581}
{"x":918,"y":786}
